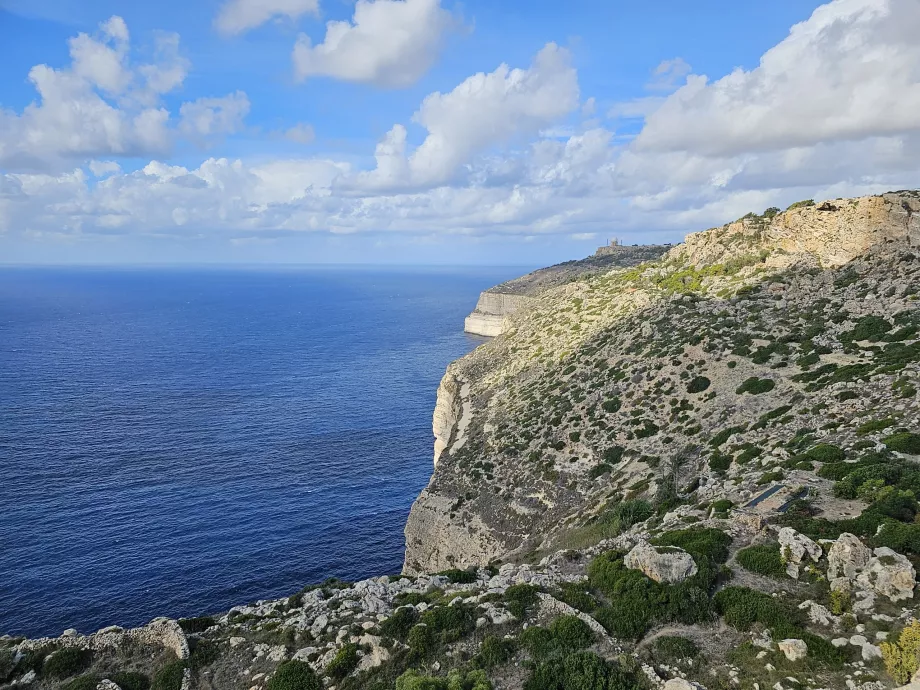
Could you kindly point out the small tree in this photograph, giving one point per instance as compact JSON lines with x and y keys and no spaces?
{"x":902,"y":658}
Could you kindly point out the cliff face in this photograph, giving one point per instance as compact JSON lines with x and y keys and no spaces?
{"x":577,"y":388}
{"x":496,"y":304}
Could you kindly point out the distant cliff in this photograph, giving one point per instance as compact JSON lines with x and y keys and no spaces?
{"x":499,"y":302}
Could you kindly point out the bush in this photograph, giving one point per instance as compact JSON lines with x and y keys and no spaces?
{"x":294,"y":675}
{"x":704,"y":544}
{"x":400,"y":623}
{"x":669,"y":649}
{"x":764,"y":559}
{"x":67,"y":662}
{"x":170,"y":678}
{"x":825,"y":452}
{"x":130,"y":680}
{"x":576,"y":595}
{"x":459,"y":577}
{"x":902,"y":658}
{"x":6,"y":663}
{"x":344,"y":662}
{"x":85,"y":682}
{"x":495,"y":651}
{"x":869,"y":328}
{"x":903,"y":443}
{"x":571,"y":632}
{"x":203,"y":653}
{"x":756,"y":386}
{"x":613,"y":454}
{"x":599,"y":470}
{"x":698,"y":384}
{"x":456,"y":680}
{"x":743,"y":607}
{"x":519,"y":599}
{"x":196,"y":625}
{"x":612,"y":405}
{"x":580,"y":671}
{"x":802,"y":204}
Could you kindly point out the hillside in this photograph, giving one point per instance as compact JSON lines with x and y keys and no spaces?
{"x":697,"y":472}
{"x":499,"y":302}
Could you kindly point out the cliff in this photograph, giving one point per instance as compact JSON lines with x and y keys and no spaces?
{"x":699,"y":472}
{"x":501,"y":301}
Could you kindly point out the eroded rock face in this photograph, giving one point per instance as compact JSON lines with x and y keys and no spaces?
{"x":847,"y":557}
{"x":796,"y":549}
{"x":666,"y":564}
{"x":890,"y":574}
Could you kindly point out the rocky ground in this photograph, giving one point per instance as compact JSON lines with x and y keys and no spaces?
{"x":700,"y":472}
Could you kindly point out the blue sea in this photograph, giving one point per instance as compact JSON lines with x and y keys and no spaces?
{"x":178,"y":441}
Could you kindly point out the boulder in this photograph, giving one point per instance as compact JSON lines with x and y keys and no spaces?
{"x":681,"y":684}
{"x":794,"y":649}
{"x":890,"y":574}
{"x":666,"y":564}
{"x":847,"y":557}
{"x":796,"y":549}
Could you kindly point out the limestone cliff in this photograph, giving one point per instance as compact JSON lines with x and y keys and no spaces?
{"x":565,"y":409}
{"x":496,"y":304}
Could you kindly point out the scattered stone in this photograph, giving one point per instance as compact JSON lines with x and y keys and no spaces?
{"x":794,"y":649}
{"x":667,"y":564}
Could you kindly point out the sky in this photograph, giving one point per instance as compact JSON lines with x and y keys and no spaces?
{"x":435,"y":131}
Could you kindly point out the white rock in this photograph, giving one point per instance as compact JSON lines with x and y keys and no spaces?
{"x":667,"y":564}
{"x":890,"y":574}
{"x":794,"y":649}
{"x":681,"y":684}
{"x":847,"y":557}
{"x":237,"y":641}
{"x":796,"y":548}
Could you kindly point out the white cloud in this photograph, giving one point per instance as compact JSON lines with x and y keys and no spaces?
{"x":485,"y":110}
{"x":237,"y":16}
{"x":207,"y":117}
{"x":101,"y":105}
{"x":301,"y":133}
{"x":388,"y":43}
{"x":668,"y":74}
{"x":504,"y":153}
{"x":103,"y":168}
{"x":849,"y":72}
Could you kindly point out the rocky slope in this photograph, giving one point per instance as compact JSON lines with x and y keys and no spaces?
{"x":698,"y":472}
{"x":499,"y":302}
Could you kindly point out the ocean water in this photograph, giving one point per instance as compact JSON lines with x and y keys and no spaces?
{"x":175,"y":442}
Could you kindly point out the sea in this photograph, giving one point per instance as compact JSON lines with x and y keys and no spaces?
{"x":177,"y":441}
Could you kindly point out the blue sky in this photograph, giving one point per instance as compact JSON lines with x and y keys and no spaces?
{"x":426,"y":131}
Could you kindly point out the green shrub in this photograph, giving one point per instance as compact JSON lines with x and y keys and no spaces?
{"x":903,"y":443}
{"x":720,"y":462}
{"x":580,"y":671}
{"x":456,"y":680}
{"x":520,"y":599}
{"x":902,"y":658}
{"x":67,"y":662}
{"x":170,"y":678}
{"x":130,"y":680}
{"x":764,"y":559}
{"x":770,"y":477}
{"x":756,"y":386}
{"x":613,"y":454}
{"x":612,"y":405}
{"x":704,"y":544}
{"x":84,"y":682}
{"x":802,"y":204}
{"x":196,"y":625}
{"x":869,"y":328}
{"x":670,"y":649}
{"x":576,"y":595}
{"x":293,"y":675}
{"x":7,"y":658}
{"x":422,"y":641}
{"x":344,"y":662}
{"x":743,"y":607}
{"x":571,"y":632}
{"x":599,"y":470}
{"x":457,"y":576}
{"x":825,"y":452}
{"x":400,"y":623}
{"x":495,"y":651}
{"x":698,"y":384}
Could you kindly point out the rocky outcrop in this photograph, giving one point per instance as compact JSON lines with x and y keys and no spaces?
{"x":852,"y":566}
{"x":796,"y":549}
{"x":666,"y":564}
{"x":495,"y":305}
{"x":447,"y":413}
{"x":794,"y":649}
{"x":488,"y":318}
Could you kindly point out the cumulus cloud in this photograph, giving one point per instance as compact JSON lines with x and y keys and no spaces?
{"x":102,"y":105}
{"x":387,"y":43}
{"x":504,"y":152}
{"x":238,"y":16}
{"x":485,"y":110}
{"x":849,"y":72}
{"x":206,"y":117}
